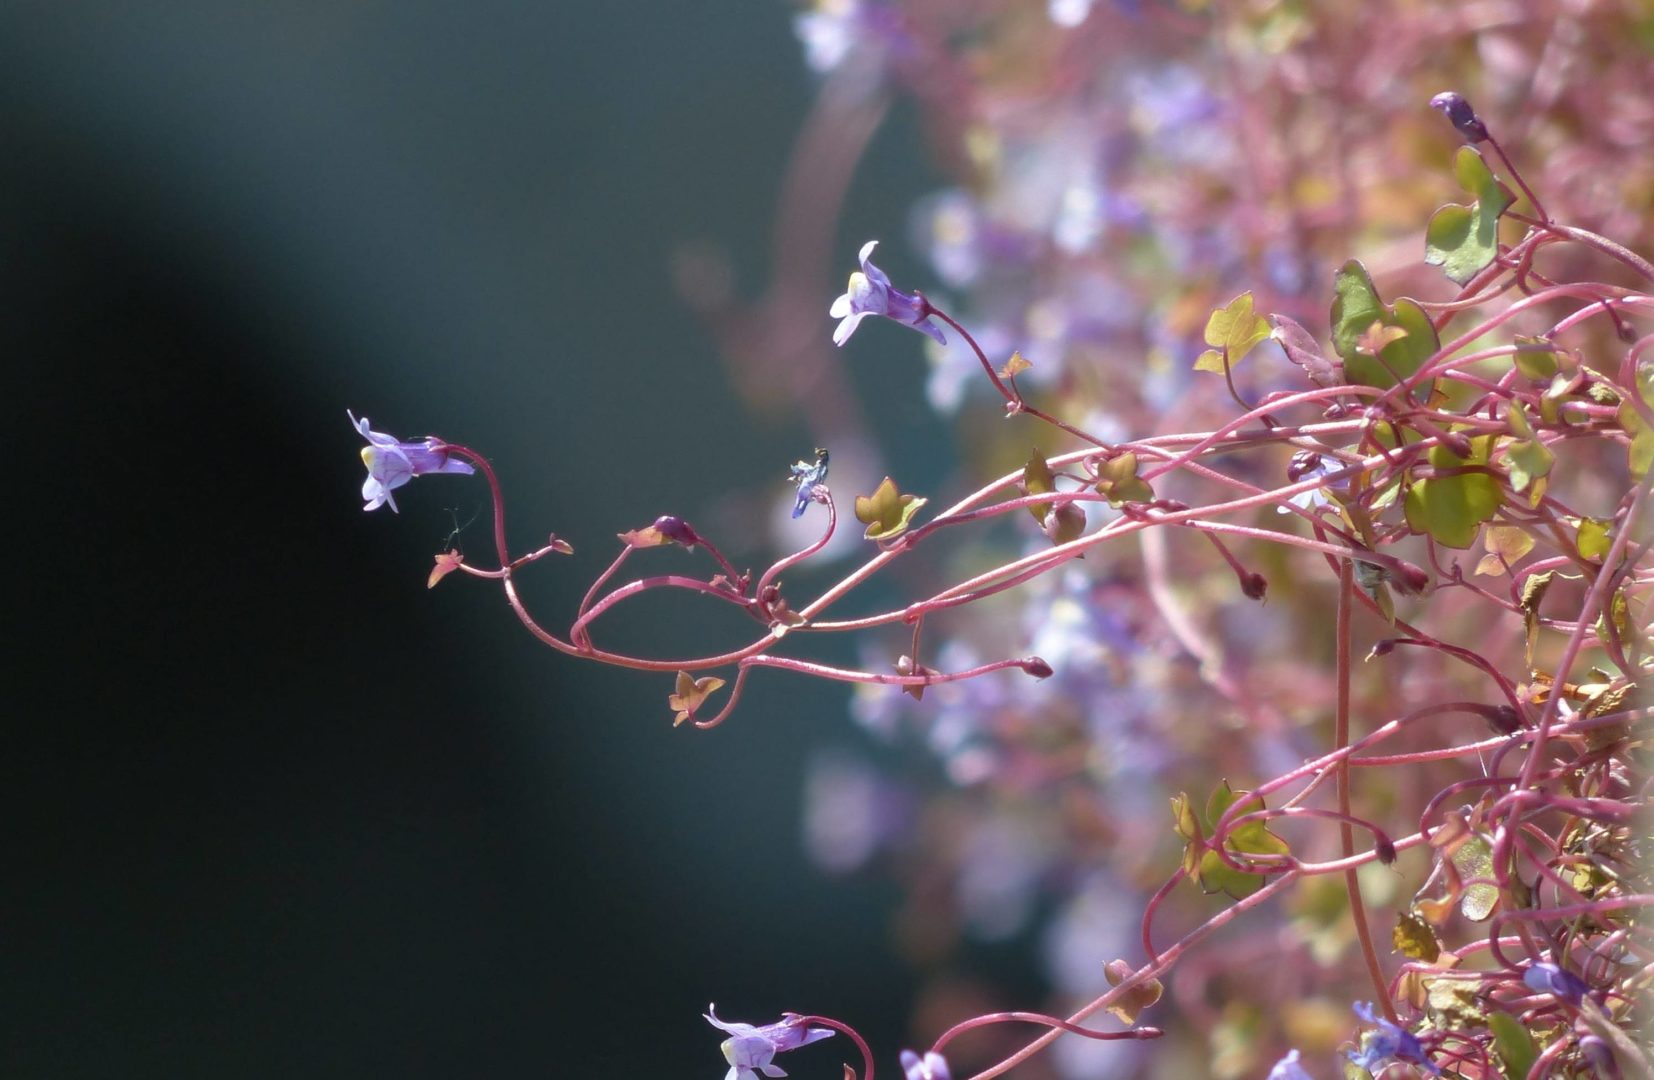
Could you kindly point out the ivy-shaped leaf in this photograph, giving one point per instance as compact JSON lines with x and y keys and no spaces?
{"x":1207,"y":867}
{"x":1037,"y":479}
{"x":1463,"y":240}
{"x":1355,"y":307}
{"x":1527,"y":460}
{"x":1594,"y":538}
{"x":1641,"y":454}
{"x":1452,"y":508}
{"x":1232,"y":331}
{"x":1506,"y":544}
{"x":1015,"y":366}
{"x":887,"y":512}
{"x":1415,"y":938}
{"x":1117,"y":478}
{"x":689,"y":694}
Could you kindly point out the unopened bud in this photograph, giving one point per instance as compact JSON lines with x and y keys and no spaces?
{"x":1302,"y":464}
{"x":677,"y":530}
{"x":1460,"y":115}
{"x":1037,"y":667}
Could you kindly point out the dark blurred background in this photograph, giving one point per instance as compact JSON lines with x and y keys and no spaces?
{"x":278,"y":810}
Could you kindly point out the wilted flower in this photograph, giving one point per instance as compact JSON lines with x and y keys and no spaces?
{"x":1550,"y":979}
{"x":1288,"y":1069}
{"x":1389,"y":1042}
{"x":870,"y":293}
{"x":932,"y":1066}
{"x":750,"y":1050}
{"x":807,"y":476}
{"x":392,"y":462}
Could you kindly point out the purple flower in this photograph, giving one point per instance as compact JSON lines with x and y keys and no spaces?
{"x":870,"y":293}
{"x":932,"y":1066}
{"x":1288,"y":1069}
{"x":807,"y":476}
{"x":1389,"y":1042}
{"x":392,"y":462}
{"x":750,"y":1050}
{"x":1550,"y":979}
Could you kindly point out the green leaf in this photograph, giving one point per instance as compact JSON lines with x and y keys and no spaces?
{"x":1015,"y":366}
{"x":1452,"y":508}
{"x":1038,"y":480}
{"x":1117,"y":479}
{"x":1355,"y":308}
{"x":1253,"y":838}
{"x":887,"y":512}
{"x":1594,"y":539}
{"x":1527,"y":462}
{"x":1516,"y":1047}
{"x":1462,"y":240}
{"x":1233,"y":331}
{"x":1535,"y":358}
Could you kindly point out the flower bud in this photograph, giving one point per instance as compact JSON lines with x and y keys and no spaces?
{"x":1460,"y":115}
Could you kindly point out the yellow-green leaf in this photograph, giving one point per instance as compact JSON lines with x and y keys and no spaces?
{"x":1015,"y":366}
{"x":1038,"y":480}
{"x":689,"y":694}
{"x":1415,"y":938}
{"x":1451,"y":508}
{"x":1594,"y":539}
{"x":1117,"y":478}
{"x":1463,"y":240}
{"x":1233,"y":331}
{"x":1517,"y":1051}
{"x":887,"y":512}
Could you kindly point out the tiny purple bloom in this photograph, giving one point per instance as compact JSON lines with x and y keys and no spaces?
{"x":750,"y":1050}
{"x":1288,"y":1069}
{"x":392,"y":462}
{"x":1550,"y":979}
{"x":870,"y":293}
{"x":932,"y":1066}
{"x":1389,"y":1042}
{"x":807,"y":476}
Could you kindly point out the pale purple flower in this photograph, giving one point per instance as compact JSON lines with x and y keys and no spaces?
{"x":807,"y":475}
{"x":392,"y":462}
{"x":1068,"y":13}
{"x":1288,"y":1069}
{"x":1550,"y":979}
{"x":1388,"y":1043}
{"x":1307,"y":465}
{"x":932,"y":1066}
{"x":828,"y":32}
{"x":751,"y":1050}
{"x":870,"y":293}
